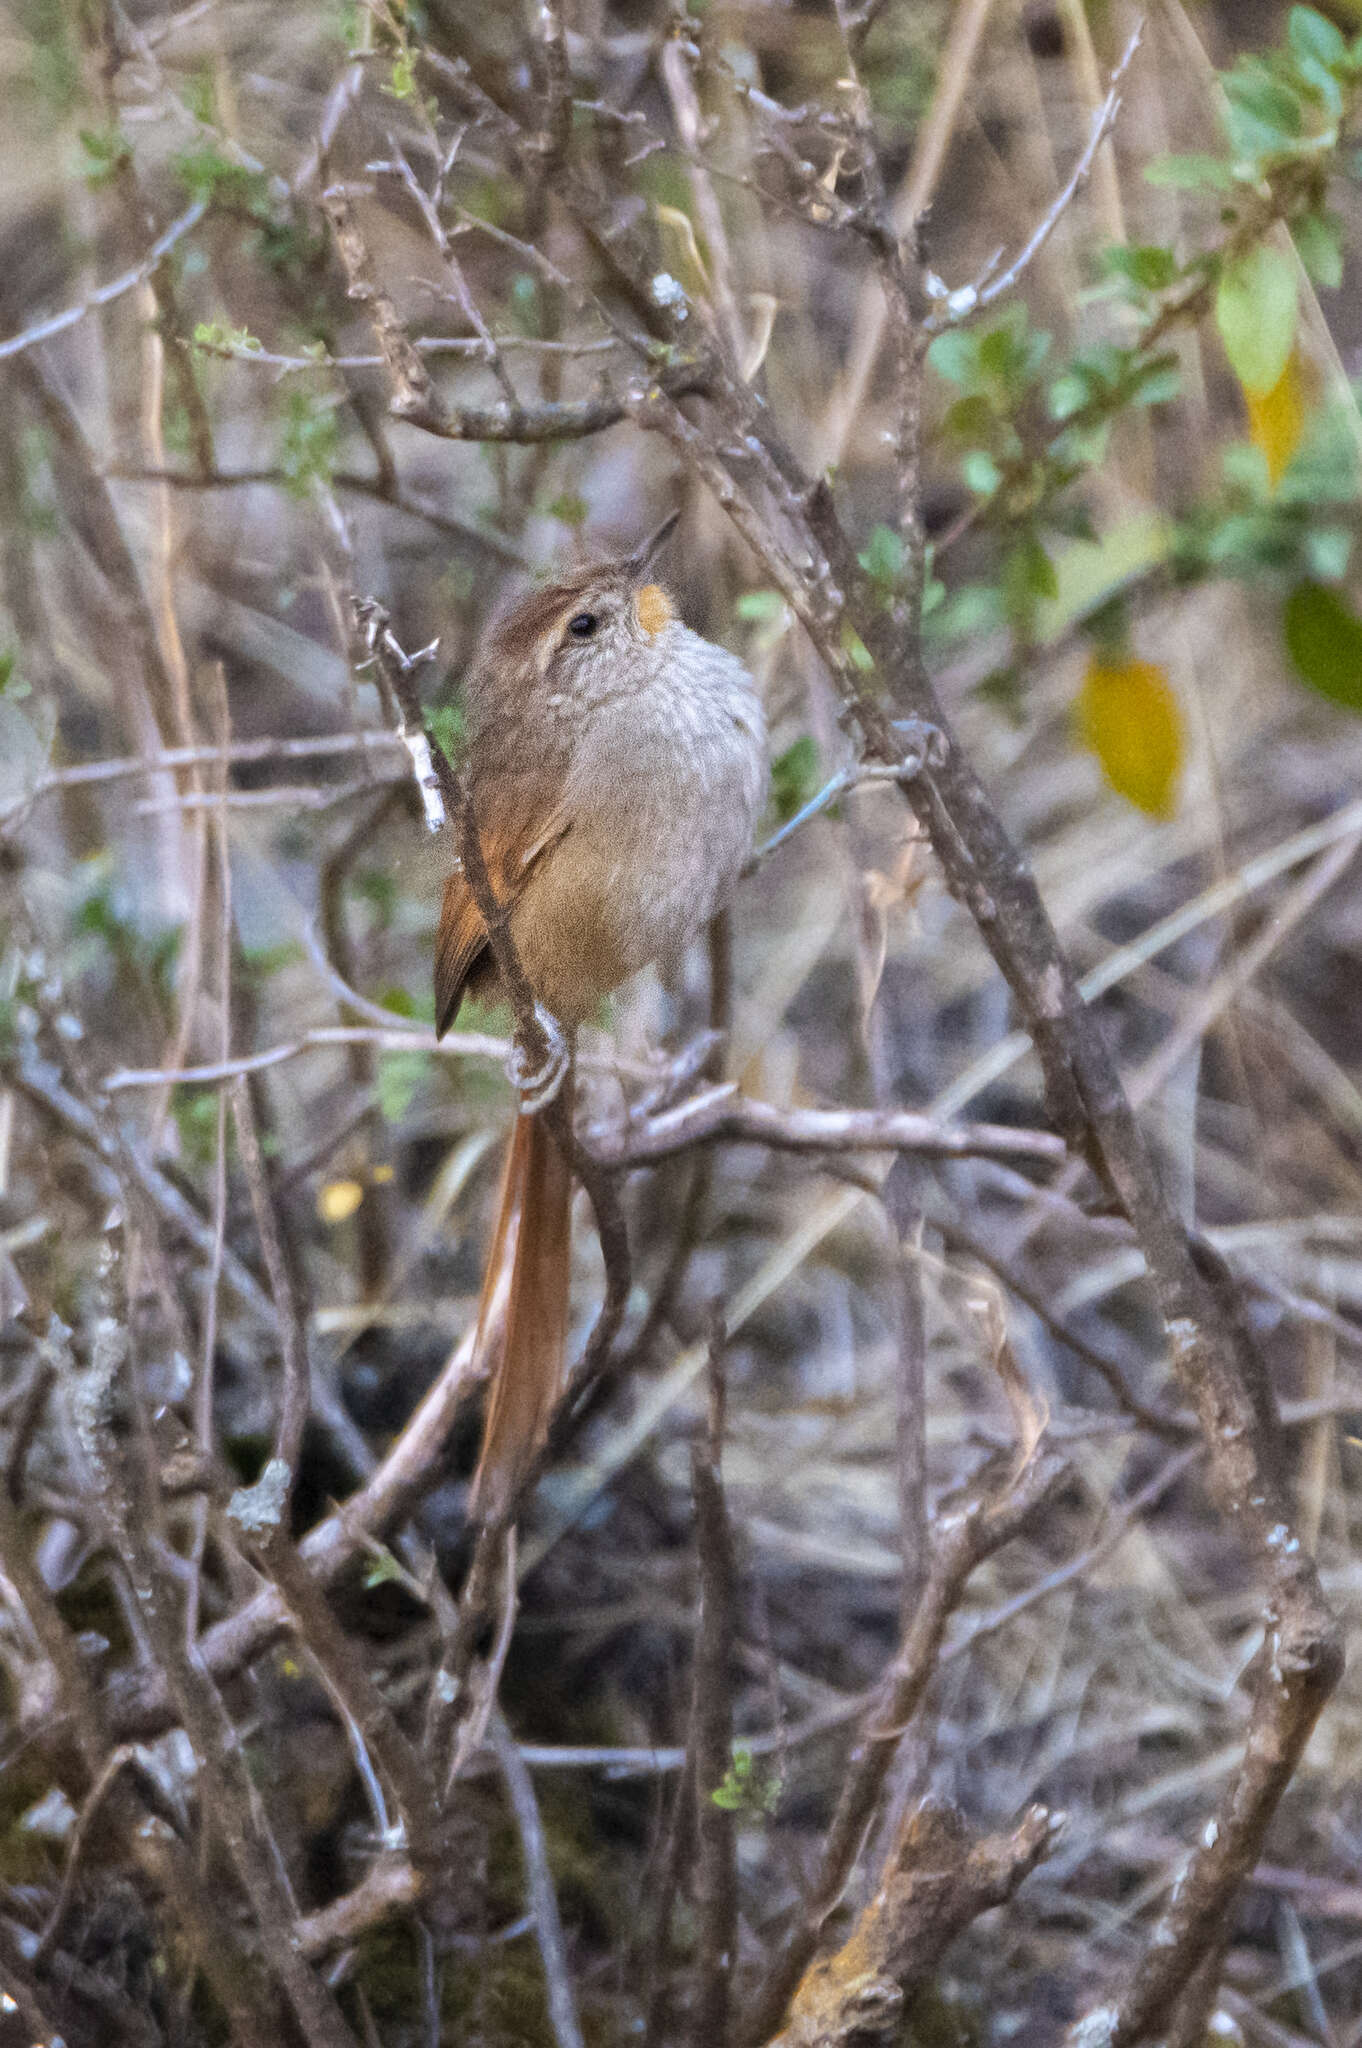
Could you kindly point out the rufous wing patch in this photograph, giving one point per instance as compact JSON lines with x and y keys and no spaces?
{"x":654,"y":608}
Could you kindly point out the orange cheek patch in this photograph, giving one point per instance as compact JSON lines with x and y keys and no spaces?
{"x":654,"y":608}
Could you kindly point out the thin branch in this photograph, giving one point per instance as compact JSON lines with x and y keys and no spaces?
{"x":141,"y":1705}
{"x":58,"y":323}
{"x":722,"y":1114}
{"x":392,"y":1886}
{"x":548,"y":1927}
{"x":427,"y":344}
{"x":291,"y":1319}
{"x":937,"y":1881}
{"x":338,"y":1657}
{"x":118,"y":1472}
{"x":413,"y":394}
{"x":1175,"y":1429}
{"x":963,"y":1539}
{"x":454,"y":1045}
{"x":46,"y":1087}
{"x":973,"y":298}
{"x":382,"y":488}
{"x":711,"y":1739}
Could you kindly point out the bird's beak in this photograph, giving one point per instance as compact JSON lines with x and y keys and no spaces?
{"x":642,"y":556}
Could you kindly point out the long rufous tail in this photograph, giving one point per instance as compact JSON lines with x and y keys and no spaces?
{"x":524,"y":1346}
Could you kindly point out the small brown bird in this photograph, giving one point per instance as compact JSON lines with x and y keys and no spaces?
{"x":617,"y":771}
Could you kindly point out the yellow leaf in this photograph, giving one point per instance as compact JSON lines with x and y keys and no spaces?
{"x":339,"y":1199}
{"x":1128,"y":715}
{"x":1276,"y":418}
{"x":382,"y":1175}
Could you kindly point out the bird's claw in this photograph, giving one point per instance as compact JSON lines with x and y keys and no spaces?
{"x":924,"y":746}
{"x":538,"y":1085}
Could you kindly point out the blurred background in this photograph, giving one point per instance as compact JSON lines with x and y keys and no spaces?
{"x":210,"y":850}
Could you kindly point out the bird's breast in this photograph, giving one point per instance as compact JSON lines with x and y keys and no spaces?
{"x":663,"y":794}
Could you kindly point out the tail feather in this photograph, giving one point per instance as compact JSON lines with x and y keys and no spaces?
{"x":524,"y":1348}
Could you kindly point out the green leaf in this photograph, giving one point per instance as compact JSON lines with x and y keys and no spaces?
{"x":969,"y":420}
{"x":215,"y":338}
{"x":760,"y":607}
{"x":855,"y":649}
{"x":264,"y":961}
{"x":1068,"y":394}
{"x":445,"y":723}
{"x":398,"y":1078}
{"x":981,"y":472}
{"x":13,"y":687}
{"x":399,"y":1000}
{"x":1197,"y":172}
{"x":1158,"y":382}
{"x":969,"y":612}
{"x":1033,"y":569}
{"x":569,"y":508}
{"x":1150,"y":265}
{"x":1310,"y":35}
{"x":1263,"y":114}
{"x":745,"y":1787}
{"x":1246,"y":470}
{"x":383,"y":1569}
{"x":883,"y":557}
{"x":795,"y":776}
{"x":1319,"y":244}
{"x":954,"y":355}
{"x":1255,"y":310}
{"x":311,"y":440}
{"x":1327,"y":551}
{"x":196,"y":1118}
{"x":214,"y":178}
{"x":105,"y":152}
{"x":1324,"y":641}
{"x":402,"y":84}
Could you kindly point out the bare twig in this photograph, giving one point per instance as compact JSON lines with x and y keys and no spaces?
{"x":962,"y":1540}
{"x":415,"y":397}
{"x":721,"y":1113}
{"x":937,"y":1882}
{"x":716,"y":1876}
{"x":413,"y":1463}
{"x":280,"y":1474}
{"x":337,"y":1657}
{"x":392,"y":1886}
{"x":986,"y":292}
{"x":230,"y":1800}
{"x":117,"y":287}
{"x":548,"y":1926}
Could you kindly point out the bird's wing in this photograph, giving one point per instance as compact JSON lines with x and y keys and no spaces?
{"x":512,"y":846}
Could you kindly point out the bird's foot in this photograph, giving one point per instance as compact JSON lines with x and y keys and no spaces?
{"x":924,"y":746}
{"x":538,"y":1085}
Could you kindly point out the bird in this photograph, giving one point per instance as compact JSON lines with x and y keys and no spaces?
{"x":616,"y":772}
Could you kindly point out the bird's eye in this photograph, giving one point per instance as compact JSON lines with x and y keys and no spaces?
{"x":582,"y":626}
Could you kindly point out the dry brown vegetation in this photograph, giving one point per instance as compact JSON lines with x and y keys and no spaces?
{"x":922,"y":1626}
